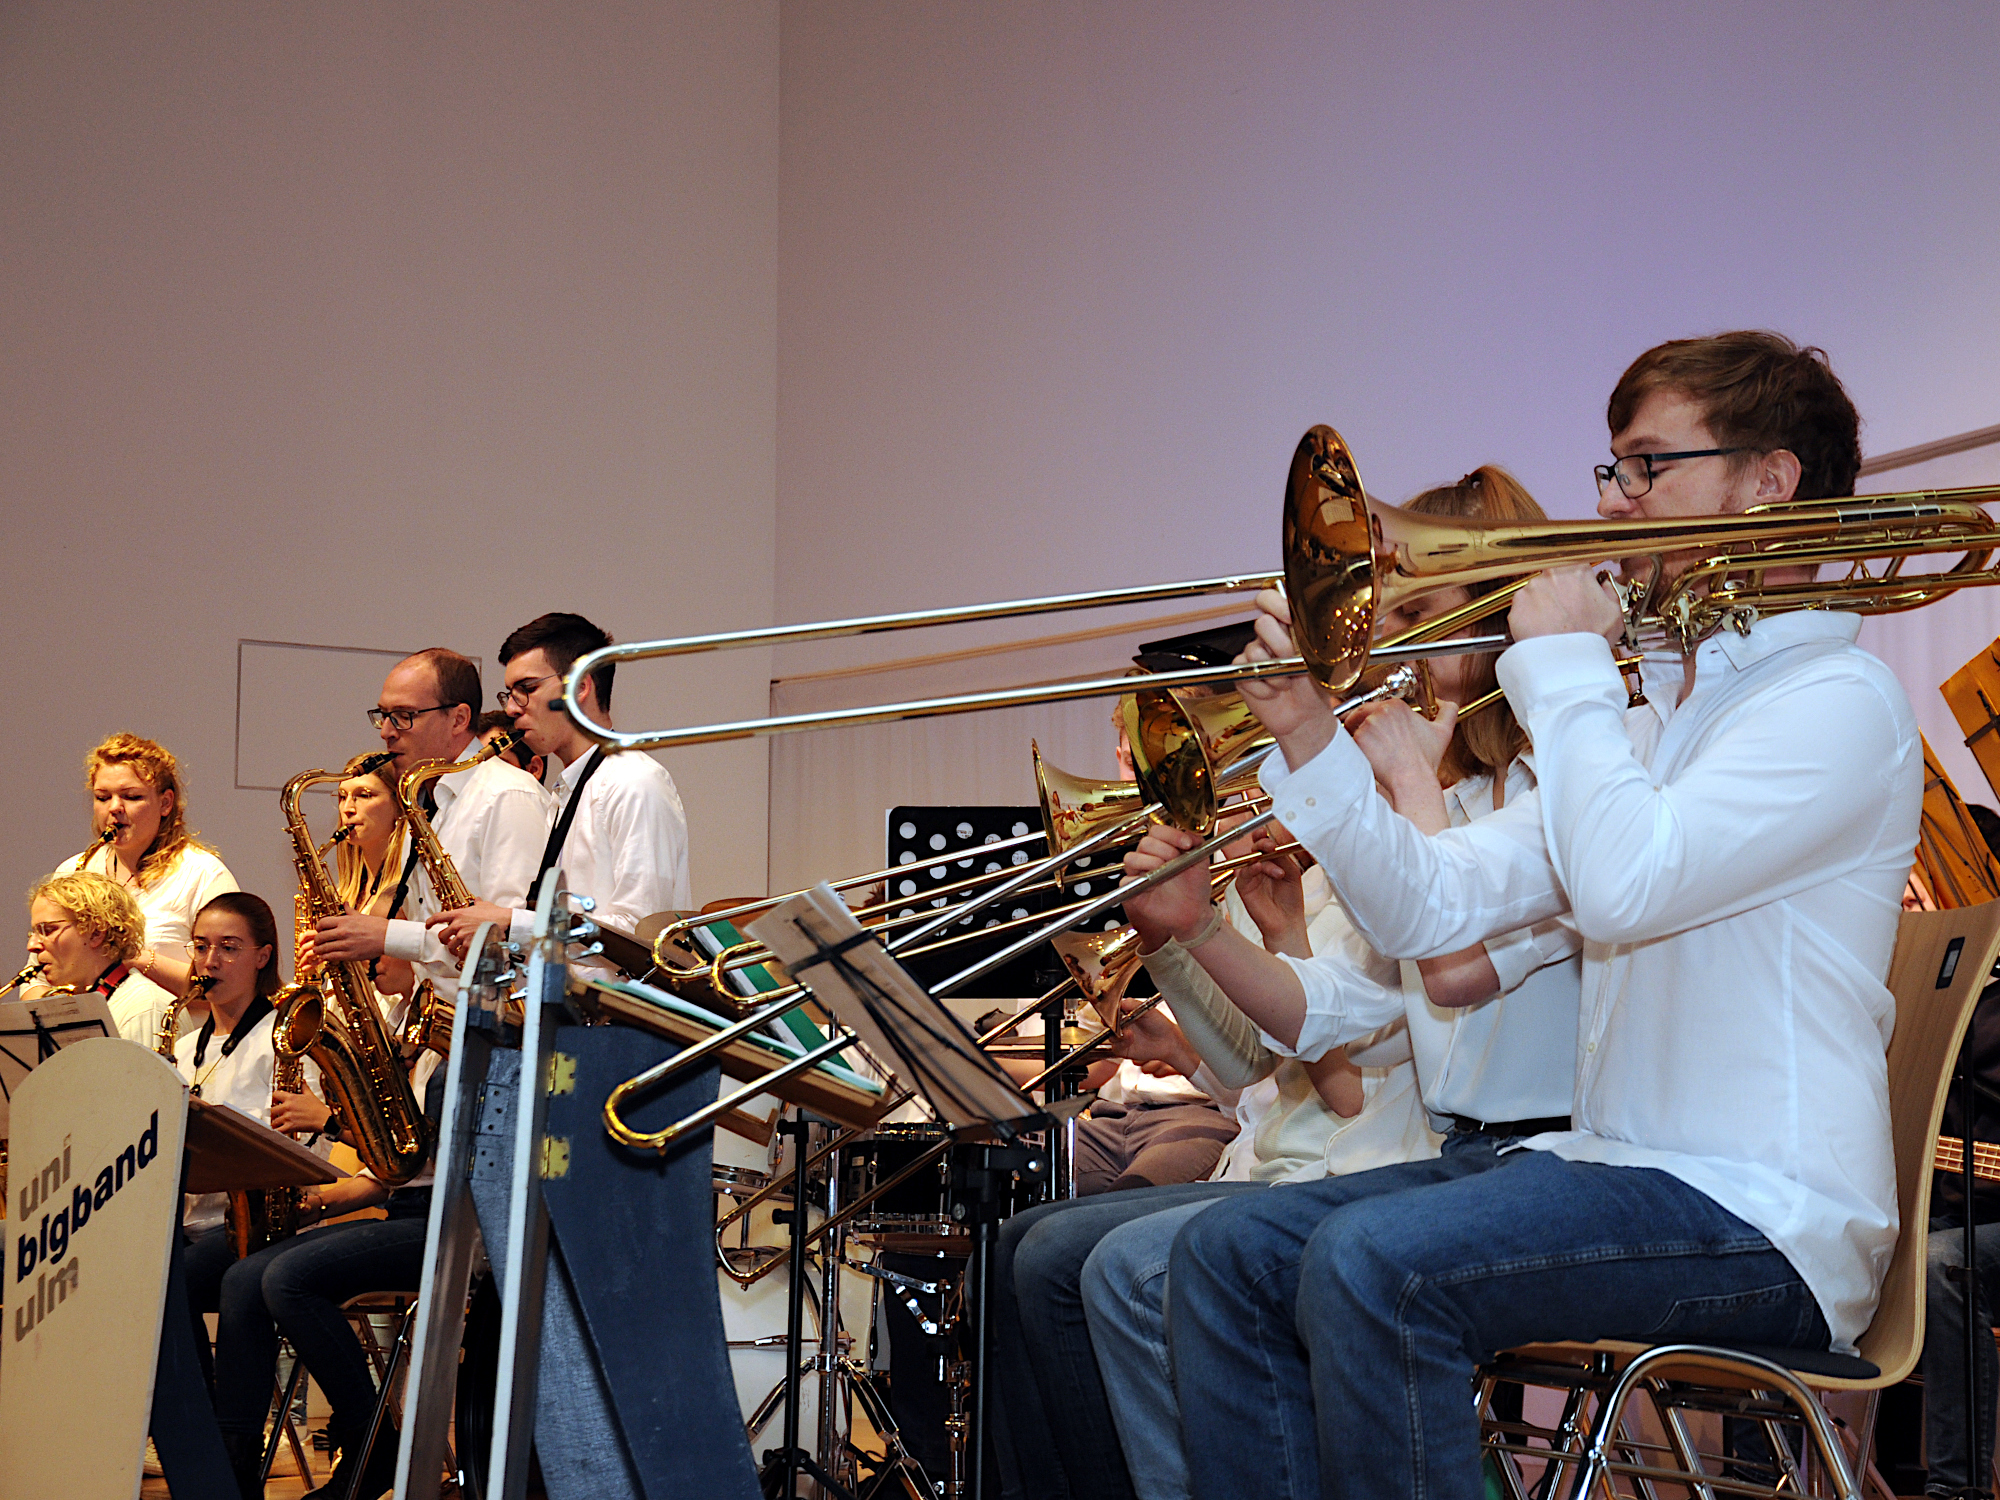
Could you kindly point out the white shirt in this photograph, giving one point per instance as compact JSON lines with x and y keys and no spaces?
{"x":138,"y":1006}
{"x":170,"y":901}
{"x":242,"y":1080}
{"x":1737,"y":884}
{"x":1285,"y":1132}
{"x":493,"y":824}
{"x":1509,"y":1058}
{"x":627,"y":848}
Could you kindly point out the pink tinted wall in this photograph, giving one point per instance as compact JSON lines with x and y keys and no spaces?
{"x":377,"y":325}
{"x":1061,"y":284}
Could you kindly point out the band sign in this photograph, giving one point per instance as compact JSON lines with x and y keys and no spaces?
{"x":97,"y":1135}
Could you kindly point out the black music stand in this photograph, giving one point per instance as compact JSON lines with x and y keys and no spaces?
{"x":823,"y":947}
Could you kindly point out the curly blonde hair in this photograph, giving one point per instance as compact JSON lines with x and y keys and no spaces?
{"x":100,"y":907}
{"x":1491,"y":739}
{"x":156,"y":766}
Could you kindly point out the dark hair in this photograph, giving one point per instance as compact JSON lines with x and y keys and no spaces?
{"x":1760,"y":392}
{"x":495,"y":718}
{"x":563,"y":639}
{"x":457,"y":677}
{"x":256,"y":915}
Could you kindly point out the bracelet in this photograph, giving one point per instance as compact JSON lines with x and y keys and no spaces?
{"x":1209,"y":929}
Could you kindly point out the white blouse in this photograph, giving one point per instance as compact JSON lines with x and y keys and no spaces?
{"x":170,"y":901}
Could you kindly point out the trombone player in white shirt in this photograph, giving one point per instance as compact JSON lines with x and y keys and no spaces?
{"x":1736,"y":881}
{"x":492,"y":822}
{"x":620,"y":836}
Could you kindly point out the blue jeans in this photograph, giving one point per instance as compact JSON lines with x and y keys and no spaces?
{"x":1125,"y":1302}
{"x":1947,"y":1441}
{"x":1052,"y":1427}
{"x":296,"y":1288}
{"x":1323,"y":1334}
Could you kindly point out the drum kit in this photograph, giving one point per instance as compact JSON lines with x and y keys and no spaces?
{"x":886,"y":1380}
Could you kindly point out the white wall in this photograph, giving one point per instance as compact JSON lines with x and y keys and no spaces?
{"x":1061,"y":284}
{"x":384,"y":326}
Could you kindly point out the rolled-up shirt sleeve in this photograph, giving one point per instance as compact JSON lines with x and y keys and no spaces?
{"x":1350,"y":992}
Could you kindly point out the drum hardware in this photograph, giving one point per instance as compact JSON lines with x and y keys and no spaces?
{"x":909,"y":1287}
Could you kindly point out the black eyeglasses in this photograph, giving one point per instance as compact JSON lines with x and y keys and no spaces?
{"x":404,"y":718}
{"x":1634,"y":472}
{"x":523,"y":690}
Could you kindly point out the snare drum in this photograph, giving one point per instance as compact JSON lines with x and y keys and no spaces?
{"x":921,"y":1203}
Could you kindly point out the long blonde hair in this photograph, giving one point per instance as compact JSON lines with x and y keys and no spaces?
{"x":156,"y":766}
{"x":350,"y":873}
{"x":1491,"y":738}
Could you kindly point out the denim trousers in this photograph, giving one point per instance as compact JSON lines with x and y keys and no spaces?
{"x":1947,"y":1438}
{"x":1125,"y":1303}
{"x":206,"y":1257}
{"x":1051,"y":1425}
{"x":296,"y":1288}
{"x":1324,"y":1334}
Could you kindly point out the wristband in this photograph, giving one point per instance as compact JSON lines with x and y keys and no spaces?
{"x":1208,"y":930}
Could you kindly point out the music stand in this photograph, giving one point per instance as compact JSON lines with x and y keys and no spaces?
{"x":851,"y":974}
{"x":33,"y":1031}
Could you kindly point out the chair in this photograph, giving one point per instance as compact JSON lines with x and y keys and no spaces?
{"x":360,"y":1310}
{"x":1941,"y":963}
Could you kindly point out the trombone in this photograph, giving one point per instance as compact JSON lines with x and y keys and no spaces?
{"x":1348,"y":560}
{"x":1400,"y":682}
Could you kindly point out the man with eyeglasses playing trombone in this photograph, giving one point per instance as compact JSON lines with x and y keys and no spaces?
{"x":492,"y":820}
{"x":620,"y":835}
{"x":1736,"y":876}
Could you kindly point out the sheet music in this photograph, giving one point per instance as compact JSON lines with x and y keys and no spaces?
{"x":848,"y":971}
{"x":29,"y":1028}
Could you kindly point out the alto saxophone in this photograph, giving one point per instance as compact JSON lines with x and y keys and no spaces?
{"x":331,"y":1015}
{"x":429,"y":1023}
{"x":263,"y":1216}
{"x":170,"y":1018}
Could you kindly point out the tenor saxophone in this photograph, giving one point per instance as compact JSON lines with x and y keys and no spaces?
{"x":429,"y":1023}
{"x":330,"y":1015}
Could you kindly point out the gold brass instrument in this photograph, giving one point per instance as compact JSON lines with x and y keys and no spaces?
{"x":109,"y":834}
{"x":1400,"y":682}
{"x":429,"y":1023}
{"x":170,"y":1018}
{"x":331,"y":1015}
{"x":1348,"y":560}
{"x":31,"y":971}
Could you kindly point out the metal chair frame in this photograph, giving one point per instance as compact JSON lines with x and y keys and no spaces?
{"x":1941,"y":963}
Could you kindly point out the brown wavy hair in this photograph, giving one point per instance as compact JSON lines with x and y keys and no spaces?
{"x":1491,"y":738}
{"x":256,"y":914}
{"x":1760,"y":392}
{"x":156,"y":767}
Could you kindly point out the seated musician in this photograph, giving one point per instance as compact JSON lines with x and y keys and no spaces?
{"x":135,"y":788}
{"x":1735,"y":877}
{"x":295,"y":1288}
{"x":492,"y":821}
{"x":227,"y":1061}
{"x":87,"y":934}
{"x":369,"y":857}
{"x":620,"y":836}
{"x":1492,"y":1030}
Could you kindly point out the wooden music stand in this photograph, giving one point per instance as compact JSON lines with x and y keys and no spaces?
{"x":1973,"y":695}
{"x":228,"y":1151}
{"x":1953,"y":860}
